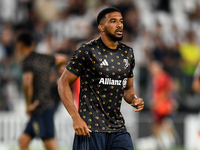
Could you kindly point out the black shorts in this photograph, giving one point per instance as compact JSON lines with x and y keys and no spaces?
{"x":41,"y":125}
{"x":104,"y":141}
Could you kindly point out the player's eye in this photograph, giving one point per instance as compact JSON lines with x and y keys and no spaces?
{"x":122,"y":21}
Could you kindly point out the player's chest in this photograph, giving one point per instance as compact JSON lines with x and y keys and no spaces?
{"x":109,"y":64}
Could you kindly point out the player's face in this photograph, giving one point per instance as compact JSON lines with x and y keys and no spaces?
{"x":114,"y":26}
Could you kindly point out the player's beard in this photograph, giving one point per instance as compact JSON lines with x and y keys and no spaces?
{"x":112,"y":36}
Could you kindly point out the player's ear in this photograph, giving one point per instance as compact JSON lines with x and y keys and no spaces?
{"x":101,"y":27}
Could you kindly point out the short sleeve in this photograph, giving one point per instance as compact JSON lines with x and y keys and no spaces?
{"x":51,"y":60}
{"x":27,"y":67}
{"x":78,"y":62}
{"x":132,"y":64}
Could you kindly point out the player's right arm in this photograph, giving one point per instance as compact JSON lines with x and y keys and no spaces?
{"x":28,"y":92}
{"x":64,"y":83}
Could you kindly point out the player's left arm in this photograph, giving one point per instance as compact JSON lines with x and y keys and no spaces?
{"x":28,"y":92}
{"x":130,"y":96}
{"x":61,"y":59}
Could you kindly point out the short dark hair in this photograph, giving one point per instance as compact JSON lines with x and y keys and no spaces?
{"x":25,"y":38}
{"x":105,"y":11}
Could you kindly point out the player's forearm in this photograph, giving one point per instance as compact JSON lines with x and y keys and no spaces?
{"x":67,"y":99}
{"x":129,"y":95}
{"x":28,"y":92}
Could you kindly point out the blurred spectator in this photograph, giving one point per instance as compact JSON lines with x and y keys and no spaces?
{"x":195,"y":14}
{"x":196,"y":88}
{"x":159,"y":50}
{"x":190,"y":54}
{"x":8,"y":15}
{"x":46,"y":46}
{"x":172,"y":61}
{"x":164,"y":5}
{"x":7,"y":40}
{"x":46,"y":10}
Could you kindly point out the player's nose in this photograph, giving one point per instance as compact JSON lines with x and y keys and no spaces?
{"x":119,"y":25}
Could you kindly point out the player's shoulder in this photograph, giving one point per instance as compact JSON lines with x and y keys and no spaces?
{"x":93,"y":42}
{"x":44,"y":57}
{"x":127,"y":49}
{"x":91,"y":45}
{"x":30,"y":57}
{"x":122,"y":45}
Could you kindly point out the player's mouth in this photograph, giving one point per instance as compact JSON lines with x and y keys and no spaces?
{"x":119,"y":32}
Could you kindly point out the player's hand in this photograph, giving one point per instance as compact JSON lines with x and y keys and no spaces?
{"x":81,"y":127}
{"x":31,"y":107}
{"x":138,"y":103}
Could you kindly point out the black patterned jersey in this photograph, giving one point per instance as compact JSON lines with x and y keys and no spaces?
{"x":103,"y":72}
{"x":40,"y":65}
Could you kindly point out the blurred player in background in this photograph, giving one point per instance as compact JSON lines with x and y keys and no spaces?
{"x":196,"y":88}
{"x":105,"y":67}
{"x":162,"y":104}
{"x":40,"y":105}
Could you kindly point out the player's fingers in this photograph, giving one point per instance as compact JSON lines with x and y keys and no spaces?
{"x":138,"y":109}
{"x":76,"y":131}
{"x":133,"y":104}
{"x":83,"y":132}
{"x":87,"y":131}
{"x":136,"y":104}
{"x":36,"y":103}
{"x":142,"y":103}
{"x":140,"y":106}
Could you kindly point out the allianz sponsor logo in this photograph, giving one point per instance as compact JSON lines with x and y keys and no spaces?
{"x":109,"y":81}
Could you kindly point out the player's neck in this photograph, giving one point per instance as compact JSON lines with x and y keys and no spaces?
{"x":28,"y":51}
{"x":109,"y":43}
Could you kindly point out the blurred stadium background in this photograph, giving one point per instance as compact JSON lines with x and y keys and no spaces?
{"x":156,"y":29}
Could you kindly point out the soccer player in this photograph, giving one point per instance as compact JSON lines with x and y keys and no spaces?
{"x":196,"y":88}
{"x":196,"y":80}
{"x":36,"y":85}
{"x":105,"y":67}
{"x":162,"y":105}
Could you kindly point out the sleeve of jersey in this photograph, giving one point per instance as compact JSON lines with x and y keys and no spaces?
{"x":27,"y":67}
{"x":52,"y":60}
{"x":132,"y":65}
{"x":78,"y":61}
